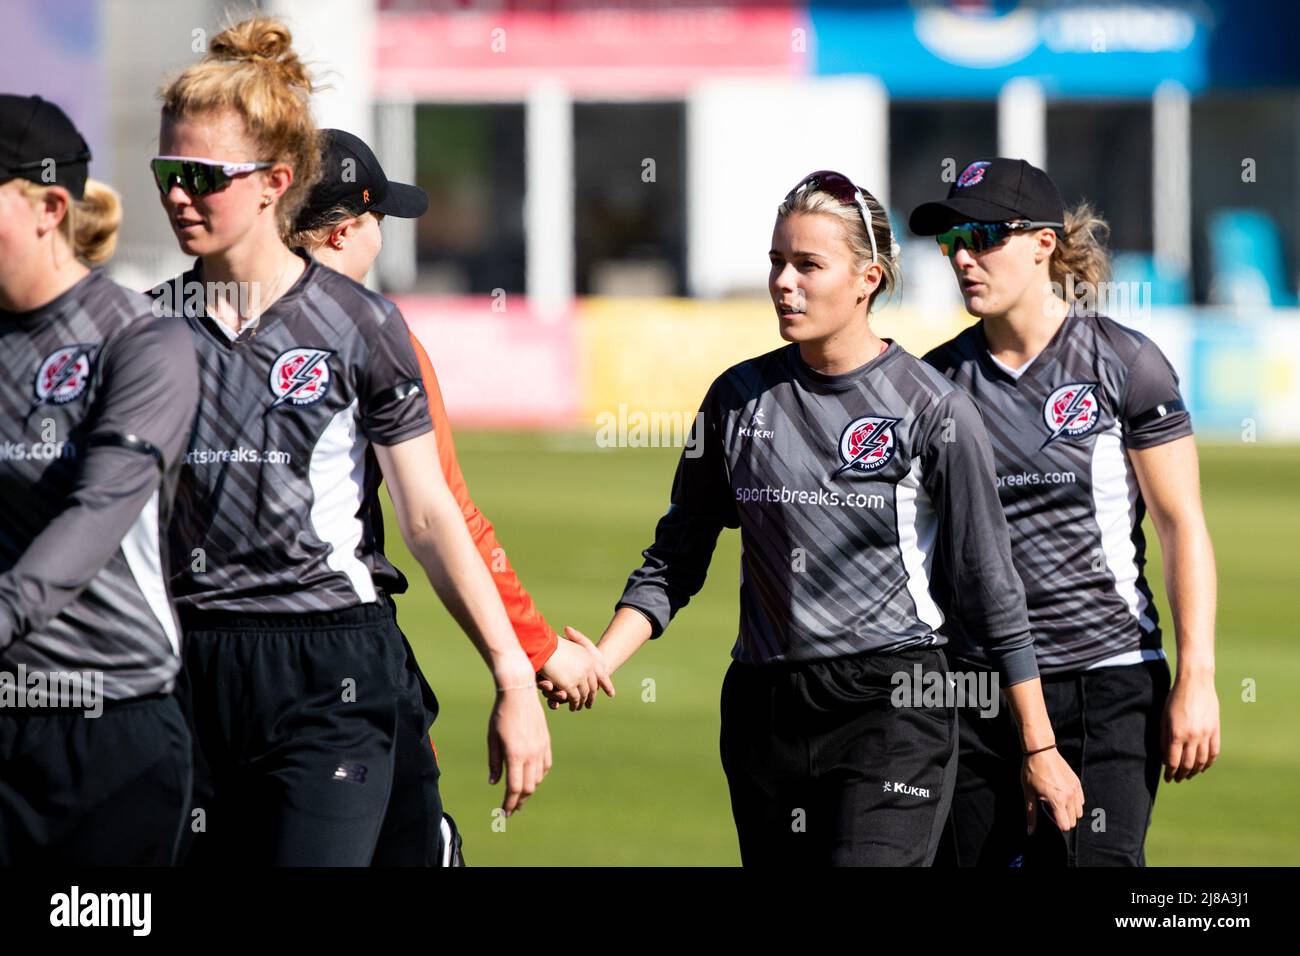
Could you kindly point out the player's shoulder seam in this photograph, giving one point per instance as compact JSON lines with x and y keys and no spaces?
{"x":153,"y":337}
{"x":940,"y":393}
{"x":1124,"y":340}
{"x":135,"y":313}
{"x":934,"y":384}
{"x":960,"y":348}
{"x":746,"y":377}
{"x":346,"y":292}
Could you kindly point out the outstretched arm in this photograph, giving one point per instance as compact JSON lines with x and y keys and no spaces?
{"x":677,"y":562}
{"x":571,"y":665}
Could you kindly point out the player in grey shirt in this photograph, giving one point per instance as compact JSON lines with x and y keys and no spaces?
{"x":299,"y":686}
{"x":96,"y":401}
{"x":862,"y":484}
{"x":1088,"y":429}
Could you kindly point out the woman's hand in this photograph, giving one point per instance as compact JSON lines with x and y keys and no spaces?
{"x":1189,"y":732}
{"x":519,"y":740}
{"x":434,"y":530}
{"x":1047,"y":777}
{"x":626,"y":632}
{"x":574,"y":672}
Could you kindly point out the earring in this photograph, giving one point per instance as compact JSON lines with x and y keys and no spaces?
{"x":265,"y":202}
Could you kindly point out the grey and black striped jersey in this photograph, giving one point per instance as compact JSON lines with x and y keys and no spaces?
{"x":867,"y":510}
{"x":96,"y":401}
{"x":274,"y":513}
{"x":1060,"y":428}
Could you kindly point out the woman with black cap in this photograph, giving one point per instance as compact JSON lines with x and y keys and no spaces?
{"x":96,"y":401}
{"x":862,"y":483}
{"x":298,"y":684}
{"x":339,"y":226}
{"x":1088,"y":431}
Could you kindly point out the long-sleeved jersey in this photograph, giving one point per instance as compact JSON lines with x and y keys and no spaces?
{"x":867,"y":509}
{"x":96,"y":401}
{"x":1060,"y":428}
{"x":274,"y":508}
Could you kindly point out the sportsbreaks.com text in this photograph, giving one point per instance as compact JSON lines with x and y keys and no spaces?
{"x":820,"y":497}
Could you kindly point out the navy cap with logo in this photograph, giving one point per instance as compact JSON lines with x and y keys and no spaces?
{"x":352,"y":178}
{"x":38,"y":142}
{"x":992,"y":190}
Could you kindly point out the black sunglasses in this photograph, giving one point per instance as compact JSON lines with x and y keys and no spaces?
{"x":979,"y":236}
{"x":198,"y":177}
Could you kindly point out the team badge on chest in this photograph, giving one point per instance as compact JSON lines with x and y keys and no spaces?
{"x":867,"y":444}
{"x":300,"y":377}
{"x":1071,"y":410}
{"x":64,"y":375}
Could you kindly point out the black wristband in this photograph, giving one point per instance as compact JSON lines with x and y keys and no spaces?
{"x":1030,"y":753}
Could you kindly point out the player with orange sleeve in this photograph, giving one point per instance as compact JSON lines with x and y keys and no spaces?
{"x":535,"y":635}
{"x":339,"y":227}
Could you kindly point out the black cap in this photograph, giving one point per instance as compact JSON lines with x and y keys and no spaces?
{"x":992,"y":190}
{"x":352,"y":177}
{"x":39,"y":142}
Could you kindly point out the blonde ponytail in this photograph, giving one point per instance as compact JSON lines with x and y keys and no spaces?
{"x":1081,"y":259}
{"x":90,"y":225}
{"x":95,"y":221}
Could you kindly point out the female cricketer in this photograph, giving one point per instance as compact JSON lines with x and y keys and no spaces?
{"x":1088,"y":431}
{"x":299,"y":686}
{"x":862,"y":484}
{"x":339,"y":226}
{"x":96,"y":401}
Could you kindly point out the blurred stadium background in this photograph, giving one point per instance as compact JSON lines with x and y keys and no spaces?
{"x":603,"y":178}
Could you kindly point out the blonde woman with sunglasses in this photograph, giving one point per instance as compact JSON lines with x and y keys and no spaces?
{"x":862,"y":484}
{"x":299,"y":686}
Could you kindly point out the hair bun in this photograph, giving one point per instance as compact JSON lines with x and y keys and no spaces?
{"x":262,"y":40}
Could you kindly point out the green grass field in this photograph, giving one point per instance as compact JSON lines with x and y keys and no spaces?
{"x":638,"y":781}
